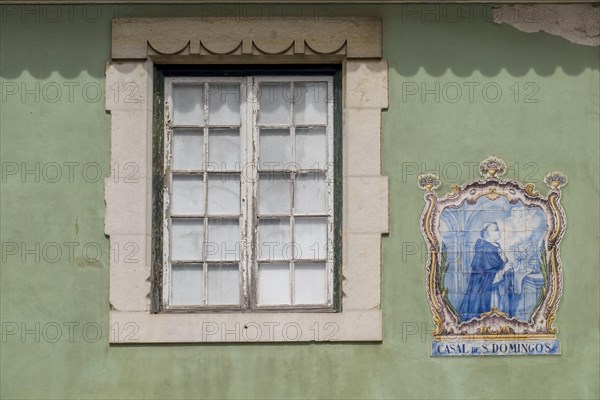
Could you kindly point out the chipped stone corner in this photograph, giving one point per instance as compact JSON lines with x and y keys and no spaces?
{"x":578,"y":23}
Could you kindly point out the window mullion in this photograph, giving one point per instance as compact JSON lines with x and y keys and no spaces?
{"x":166,"y":250}
{"x":205,"y":178}
{"x":251,"y":179}
{"x":293,"y":176}
{"x":245,"y":250}
{"x":330,"y":174}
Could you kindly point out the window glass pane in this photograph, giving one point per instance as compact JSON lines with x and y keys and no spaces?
{"x":188,"y":104}
{"x":224,"y":150}
{"x":187,"y":239}
{"x":274,"y":193}
{"x":188,"y":284}
{"x":188,"y":195}
{"x":311,"y":103}
{"x":275,"y":149}
{"x":311,"y":148}
{"x":310,"y":235}
{"x":188,"y":149}
{"x":310,"y":193}
{"x":291,"y":222}
{"x":310,"y":283}
{"x":224,"y":104}
{"x":274,"y":103}
{"x":223,"y":284}
{"x":274,"y":239}
{"x":273,"y":284}
{"x":224,"y":239}
{"x":224,"y":194}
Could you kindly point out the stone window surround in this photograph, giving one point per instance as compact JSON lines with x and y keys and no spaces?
{"x":137,"y":45}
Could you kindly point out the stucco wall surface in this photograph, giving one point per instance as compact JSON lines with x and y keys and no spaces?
{"x":461,"y":88}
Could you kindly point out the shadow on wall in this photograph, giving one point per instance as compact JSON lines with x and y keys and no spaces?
{"x":73,"y":39}
{"x":464,"y":39}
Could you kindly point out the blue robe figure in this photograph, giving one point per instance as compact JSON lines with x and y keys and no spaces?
{"x":489,"y":280}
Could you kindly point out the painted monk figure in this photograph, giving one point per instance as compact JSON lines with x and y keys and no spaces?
{"x":489,"y":273}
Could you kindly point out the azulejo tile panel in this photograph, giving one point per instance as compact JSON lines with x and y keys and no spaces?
{"x":494,"y":274}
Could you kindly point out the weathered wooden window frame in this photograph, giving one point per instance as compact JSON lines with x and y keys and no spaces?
{"x":138,"y":46}
{"x":249,"y":135}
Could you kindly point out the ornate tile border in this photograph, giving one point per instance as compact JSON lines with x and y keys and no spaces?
{"x":488,"y":317}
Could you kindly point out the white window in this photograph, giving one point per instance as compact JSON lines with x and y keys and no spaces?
{"x":288,"y":303}
{"x":249,"y":195}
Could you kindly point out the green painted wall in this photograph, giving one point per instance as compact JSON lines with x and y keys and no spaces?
{"x":552,"y":123}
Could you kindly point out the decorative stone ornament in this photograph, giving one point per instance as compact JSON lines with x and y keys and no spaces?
{"x":351,"y":37}
{"x":494,"y":274}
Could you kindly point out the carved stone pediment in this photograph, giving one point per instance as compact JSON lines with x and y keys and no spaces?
{"x":139,"y":38}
